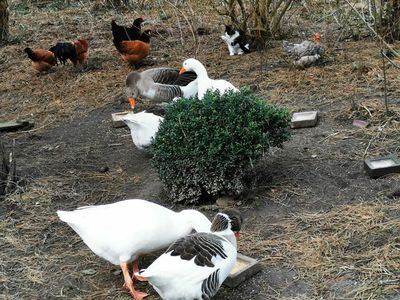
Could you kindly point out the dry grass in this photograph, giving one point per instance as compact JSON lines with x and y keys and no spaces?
{"x":36,"y":245}
{"x":354,"y":245}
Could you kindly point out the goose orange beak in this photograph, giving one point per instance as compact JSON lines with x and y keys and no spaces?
{"x":182,"y":70}
{"x":237,"y":235}
{"x":132,"y":102}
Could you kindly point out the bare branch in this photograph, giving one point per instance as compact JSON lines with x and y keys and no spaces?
{"x":373,"y":30}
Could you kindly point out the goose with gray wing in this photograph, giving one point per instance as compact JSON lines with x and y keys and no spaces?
{"x":160,"y":85}
{"x":195,"y":266}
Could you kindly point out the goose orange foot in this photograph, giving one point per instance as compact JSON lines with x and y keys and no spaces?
{"x":136,"y":270}
{"x":137,"y":295}
{"x":140,"y":278}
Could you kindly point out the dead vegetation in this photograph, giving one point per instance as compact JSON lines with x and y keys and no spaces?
{"x":355,"y":246}
{"x":315,"y":218}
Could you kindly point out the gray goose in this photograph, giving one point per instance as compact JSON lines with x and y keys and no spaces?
{"x":194,"y":267}
{"x":160,"y":85}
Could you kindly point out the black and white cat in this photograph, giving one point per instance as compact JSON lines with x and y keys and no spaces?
{"x":236,"y":41}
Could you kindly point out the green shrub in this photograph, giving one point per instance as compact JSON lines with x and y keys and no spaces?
{"x":204,"y":147}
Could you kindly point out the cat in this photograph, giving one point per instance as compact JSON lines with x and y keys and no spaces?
{"x":235,"y":40}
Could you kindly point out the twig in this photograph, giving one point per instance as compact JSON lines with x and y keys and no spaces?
{"x":180,"y":28}
{"x":327,"y":137}
{"x":389,"y":281}
{"x":195,"y":36}
{"x":187,"y":21}
{"x":366,"y":108}
{"x":380,"y":129}
{"x":183,"y":131}
{"x":384,"y":81}
{"x":340,"y":36}
{"x":91,"y":16}
{"x":372,"y":29}
{"x":391,"y":61}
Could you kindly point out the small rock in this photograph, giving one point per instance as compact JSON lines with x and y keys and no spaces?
{"x":203,"y":31}
{"x":89,"y":271}
{"x":136,"y":179}
{"x":360,"y":123}
{"x":396,"y":193}
{"x":117,"y":272}
{"x":104,"y":169}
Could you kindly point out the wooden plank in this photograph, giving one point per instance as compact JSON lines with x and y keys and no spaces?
{"x":16,"y":125}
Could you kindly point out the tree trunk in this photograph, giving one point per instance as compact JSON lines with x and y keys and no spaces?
{"x":3,"y":21}
{"x":395,"y":20}
{"x":8,"y":172}
{"x":4,"y":169}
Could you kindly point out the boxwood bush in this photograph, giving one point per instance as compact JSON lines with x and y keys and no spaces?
{"x":204,"y":147}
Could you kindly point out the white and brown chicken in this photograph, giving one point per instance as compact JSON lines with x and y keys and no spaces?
{"x":306,"y":53}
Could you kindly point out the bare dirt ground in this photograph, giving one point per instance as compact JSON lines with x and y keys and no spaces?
{"x":320,"y":226}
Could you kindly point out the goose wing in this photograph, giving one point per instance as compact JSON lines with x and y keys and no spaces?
{"x":193,"y":267}
{"x":166,"y":92}
{"x":200,"y":246}
{"x":162,"y":75}
{"x":170,"y":76}
{"x":185,"y":78}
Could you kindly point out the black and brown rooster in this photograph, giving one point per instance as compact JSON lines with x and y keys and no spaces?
{"x":76,"y":51}
{"x":123,"y":33}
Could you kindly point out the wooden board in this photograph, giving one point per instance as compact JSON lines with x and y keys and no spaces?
{"x":16,"y":125}
{"x":244,"y":268}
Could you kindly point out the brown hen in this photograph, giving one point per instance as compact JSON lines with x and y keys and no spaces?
{"x":134,"y":51}
{"x":42,"y":60}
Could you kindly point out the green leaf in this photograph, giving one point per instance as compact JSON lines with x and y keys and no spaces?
{"x":203,"y":147}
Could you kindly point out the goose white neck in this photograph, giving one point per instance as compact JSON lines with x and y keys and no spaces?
{"x":229,"y":235}
{"x":192,"y":64}
{"x":200,"y":70}
{"x":195,"y":220}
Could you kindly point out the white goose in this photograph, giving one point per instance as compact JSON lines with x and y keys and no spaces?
{"x":195,"y":266}
{"x":143,"y":126}
{"x":160,"y":85}
{"x":121,"y":231}
{"x":204,"y":82}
